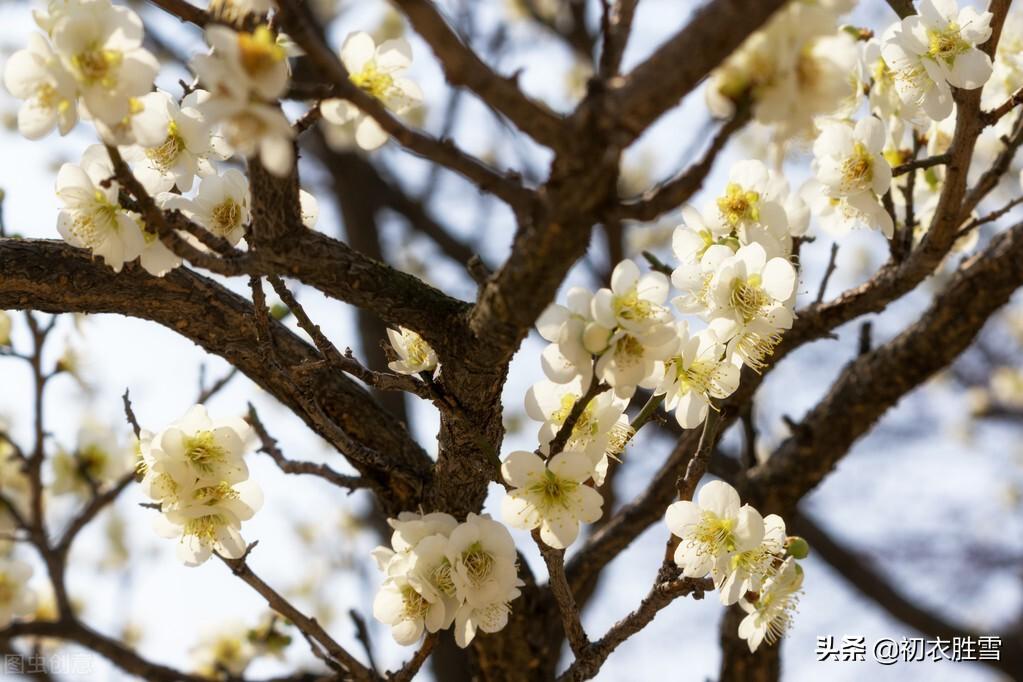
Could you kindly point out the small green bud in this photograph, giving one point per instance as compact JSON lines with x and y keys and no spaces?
{"x":279,"y":311}
{"x":796,"y":547}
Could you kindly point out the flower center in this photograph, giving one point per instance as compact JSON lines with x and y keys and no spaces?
{"x":415,"y":605}
{"x":748,"y":298}
{"x":203,"y":452}
{"x":226,"y":216}
{"x":553,"y":491}
{"x":259,"y":51}
{"x":946,"y":44}
{"x":585,"y":426}
{"x":97,"y":66}
{"x":373,"y":81}
{"x":93,"y":224}
{"x":633,"y":308}
{"x":619,"y":436}
{"x":215,"y":494}
{"x":204,"y":527}
{"x":164,"y":156}
{"x":714,"y":533}
{"x":700,"y":377}
{"x":628,"y":350}
{"x":754,"y":348}
{"x":777,"y":610}
{"x":442,"y":578}
{"x":738,"y":205}
{"x":91,"y":460}
{"x":857,"y":169}
{"x":478,"y":563}
{"x":418,"y":350}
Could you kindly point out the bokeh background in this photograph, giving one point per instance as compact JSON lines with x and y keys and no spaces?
{"x":931,"y":498}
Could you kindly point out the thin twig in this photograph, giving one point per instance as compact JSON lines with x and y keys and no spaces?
{"x":555,"y":560}
{"x":409,"y":670}
{"x":828,"y":272}
{"x":290,"y":466}
{"x":918,"y":164}
{"x":303,"y":622}
{"x":129,"y":413}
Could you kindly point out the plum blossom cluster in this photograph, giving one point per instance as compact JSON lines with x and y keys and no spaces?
{"x":195,"y":471}
{"x":378,"y":71}
{"x":734,"y":273}
{"x":439,"y":572}
{"x":799,"y":66}
{"x":89,"y":63}
{"x":807,"y":76}
{"x":750,"y":559}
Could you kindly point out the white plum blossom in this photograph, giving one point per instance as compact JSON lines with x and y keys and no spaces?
{"x":797,"y":67}
{"x":482,"y":557}
{"x":937,"y":48}
{"x":550,"y":495}
{"x":698,"y":373}
{"x":243,"y":64}
{"x":175,"y":144}
{"x":837,"y":215}
{"x":195,"y":470}
{"x":771,"y":615}
{"x":409,"y":528}
{"x":92,"y":217}
{"x":632,"y":360}
{"x":602,"y":429}
{"x":226,"y":647}
{"x":377,"y":70}
{"x":17,"y":599}
{"x":712,"y":528}
{"x":254,"y":130}
{"x":407,"y":611}
{"x":414,"y":353}
{"x":634,"y":302}
{"x":849,"y":160}
{"x":50,"y":95}
{"x":99,"y":459}
{"x":691,"y":240}
{"x":746,"y":571}
{"x":489,"y":618}
{"x":574,"y":337}
{"x":692,"y":278}
{"x":100,"y":46}
{"x":755,"y":208}
{"x":441,"y":573}
{"x":852,"y":174}
{"x":222,"y":205}
{"x":748,"y":286}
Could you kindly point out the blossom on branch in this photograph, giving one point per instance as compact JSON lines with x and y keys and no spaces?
{"x":195,"y":470}
{"x":935,"y":50}
{"x":550,"y":495}
{"x":441,"y":573}
{"x":376,"y":70}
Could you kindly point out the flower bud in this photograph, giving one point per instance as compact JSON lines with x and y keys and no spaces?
{"x":796,"y":547}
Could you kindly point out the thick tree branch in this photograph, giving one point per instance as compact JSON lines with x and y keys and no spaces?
{"x":874,"y":382}
{"x":54,"y":277}
{"x":675,"y":68}
{"x":463,"y":67}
